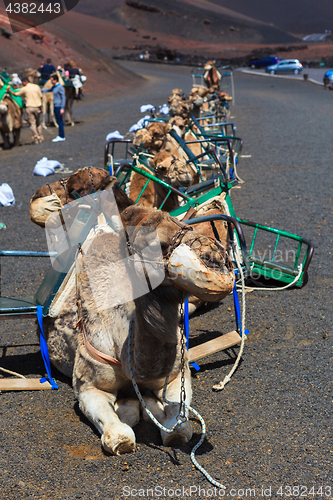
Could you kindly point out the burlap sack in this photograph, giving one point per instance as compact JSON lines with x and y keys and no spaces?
{"x":41,"y":208}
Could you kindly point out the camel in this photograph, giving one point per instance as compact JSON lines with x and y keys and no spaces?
{"x":10,"y":121}
{"x":47,"y":106}
{"x":33,"y":75}
{"x":168,"y":168}
{"x":212,"y":76}
{"x":54,"y":196}
{"x":70,"y":96}
{"x":107,"y":344}
{"x":47,"y":102}
{"x":155,"y":138}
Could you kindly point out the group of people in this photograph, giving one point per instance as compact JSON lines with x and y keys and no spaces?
{"x":31,"y":93}
{"x":69,"y":72}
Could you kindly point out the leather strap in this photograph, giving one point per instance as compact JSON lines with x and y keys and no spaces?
{"x":95,"y":353}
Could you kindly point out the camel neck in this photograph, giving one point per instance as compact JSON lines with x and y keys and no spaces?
{"x":156,"y":332}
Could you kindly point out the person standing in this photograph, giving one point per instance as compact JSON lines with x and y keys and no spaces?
{"x":46,"y":70}
{"x":32,"y":96}
{"x":59,"y":102}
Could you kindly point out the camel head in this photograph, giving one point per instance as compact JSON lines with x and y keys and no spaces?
{"x":151,"y":137}
{"x":175,"y":93}
{"x":209,"y":65}
{"x":179,"y":107}
{"x":193,"y":263}
{"x":197,"y":95}
{"x":172,"y":170}
{"x":178,"y":124}
{"x":52,"y":197}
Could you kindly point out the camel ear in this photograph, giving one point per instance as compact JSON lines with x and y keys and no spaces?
{"x":168,"y":128}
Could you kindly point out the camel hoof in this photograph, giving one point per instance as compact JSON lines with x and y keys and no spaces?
{"x":124,"y":447}
{"x":175,"y":440}
{"x":181,"y":435}
{"x":119,"y":441}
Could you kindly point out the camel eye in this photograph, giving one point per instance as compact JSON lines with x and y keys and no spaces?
{"x":162,"y":168}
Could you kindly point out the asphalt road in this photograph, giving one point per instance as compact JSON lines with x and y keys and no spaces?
{"x":316,"y":75}
{"x":269,"y":432}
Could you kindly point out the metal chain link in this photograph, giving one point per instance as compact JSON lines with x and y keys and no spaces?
{"x":182,"y":405}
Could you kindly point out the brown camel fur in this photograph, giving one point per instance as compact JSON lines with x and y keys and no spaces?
{"x":167,"y":168}
{"x":212,"y":76}
{"x":10,"y":121}
{"x":83,"y":181}
{"x":156,"y":138}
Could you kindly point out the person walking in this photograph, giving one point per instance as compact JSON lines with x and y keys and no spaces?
{"x":59,"y":102}
{"x":32,"y":96}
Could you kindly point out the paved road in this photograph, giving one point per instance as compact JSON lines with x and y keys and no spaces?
{"x":316,"y":75}
{"x":271,"y":427}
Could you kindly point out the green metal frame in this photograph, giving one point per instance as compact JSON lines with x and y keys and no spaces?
{"x":204,"y":191}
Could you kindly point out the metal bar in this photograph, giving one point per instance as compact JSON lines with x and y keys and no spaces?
{"x":165,"y":199}
{"x":153,"y":178}
{"x":231,"y":221}
{"x":276,"y":244}
{"x":26,"y":253}
{"x":298,"y":254}
{"x":142,"y":190}
{"x":252,"y":242}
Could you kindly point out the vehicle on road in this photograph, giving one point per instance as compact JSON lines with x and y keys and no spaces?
{"x":263,"y":62}
{"x":328,"y":77}
{"x":285,"y":66}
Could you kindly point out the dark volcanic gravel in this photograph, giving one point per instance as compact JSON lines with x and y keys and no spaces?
{"x":271,"y":427}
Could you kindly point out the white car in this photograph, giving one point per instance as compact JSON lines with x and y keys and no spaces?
{"x":285,"y":66}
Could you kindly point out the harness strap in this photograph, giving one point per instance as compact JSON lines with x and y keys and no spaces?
{"x":95,"y":353}
{"x":83,"y":337}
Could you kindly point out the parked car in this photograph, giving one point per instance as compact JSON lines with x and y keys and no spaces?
{"x":285,"y":66}
{"x":328,"y":77}
{"x":263,"y":62}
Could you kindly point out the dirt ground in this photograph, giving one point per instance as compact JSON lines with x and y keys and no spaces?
{"x":269,"y":432}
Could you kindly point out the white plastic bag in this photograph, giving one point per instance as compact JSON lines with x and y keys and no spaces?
{"x":7,"y":198}
{"x":114,"y":135}
{"x":45,"y":167}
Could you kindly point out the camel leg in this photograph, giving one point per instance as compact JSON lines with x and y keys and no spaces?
{"x":69,"y":118}
{"x":17,"y":133}
{"x":5,"y":137}
{"x":128,"y":410}
{"x":53,"y":118}
{"x":99,"y":407}
{"x":183,"y":433}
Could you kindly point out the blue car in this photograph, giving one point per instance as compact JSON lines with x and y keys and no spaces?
{"x":328,"y":77}
{"x":263,"y":62}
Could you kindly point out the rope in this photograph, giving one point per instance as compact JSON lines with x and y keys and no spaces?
{"x":179,"y":422}
{"x":12,"y":373}
{"x":220,"y":386}
{"x":275,"y":289}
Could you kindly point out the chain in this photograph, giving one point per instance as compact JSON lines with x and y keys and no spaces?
{"x":182,"y":405}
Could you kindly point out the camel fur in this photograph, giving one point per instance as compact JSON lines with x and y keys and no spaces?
{"x":10,"y":121}
{"x":83,"y":181}
{"x":171,"y":170}
{"x":47,"y":106}
{"x":152,"y":319}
